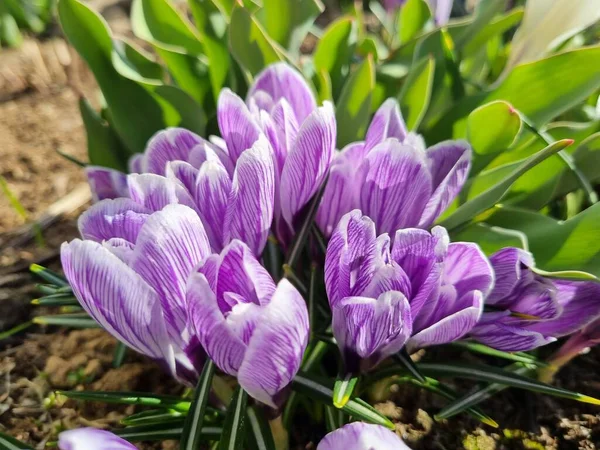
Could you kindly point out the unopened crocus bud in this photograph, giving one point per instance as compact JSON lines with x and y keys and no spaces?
{"x":362,"y":436}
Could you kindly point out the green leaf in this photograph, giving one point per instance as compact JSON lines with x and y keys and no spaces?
{"x":152,"y":416}
{"x":494,"y":28}
{"x":557,"y":246}
{"x":493,"y":128}
{"x":136,"y":114}
{"x":489,"y":351}
{"x":9,"y":30}
{"x":154,"y":432}
{"x":404,"y":359}
{"x":9,"y":443}
{"x":104,"y":147}
{"x":14,"y":330}
{"x":414,"y":14}
{"x":311,"y":386}
{"x":249,"y":43}
{"x":343,"y":389}
{"x":334,"y":52}
{"x":67,"y":320}
{"x":137,"y":65}
{"x":484,"y":13}
{"x":416,"y":92}
{"x":354,"y":105}
{"x":48,"y":275}
{"x":119,"y":355}
{"x":191,"y":114}
{"x":192,"y":428}
{"x":261,"y":437}
{"x":130,"y":398}
{"x":59,"y":299}
{"x":234,"y":427}
{"x":494,"y":194}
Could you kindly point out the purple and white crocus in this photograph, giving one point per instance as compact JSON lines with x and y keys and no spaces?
{"x":418,"y":291}
{"x":273,"y":156}
{"x":250,"y":327}
{"x":130,"y":272}
{"x":362,"y":436}
{"x":92,"y":439}
{"x":392,"y":177}
{"x":528,"y":310}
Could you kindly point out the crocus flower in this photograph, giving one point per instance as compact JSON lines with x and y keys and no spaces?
{"x":130,"y":271}
{"x":528,"y":310}
{"x":250,"y":327}
{"x":440,"y":9}
{"x":421,"y":291}
{"x":92,"y":439}
{"x":362,"y":436}
{"x":234,"y":199}
{"x":392,"y":177}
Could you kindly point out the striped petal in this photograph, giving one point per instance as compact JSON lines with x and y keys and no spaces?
{"x":106,"y":183}
{"x":387,"y":123}
{"x":119,"y":218}
{"x":362,"y":436}
{"x":92,"y":439}
{"x":155,"y":191}
{"x":172,"y":144}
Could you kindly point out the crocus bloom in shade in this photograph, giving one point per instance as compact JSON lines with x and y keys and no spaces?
{"x":362,"y":436}
{"x":130,"y":272}
{"x":92,"y":439}
{"x":392,"y":177}
{"x":529,"y":310}
{"x":281,"y":105}
{"x":234,"y":199}
{"x":422,"y":291}
{"x":250,"y":327}
{"x":440,"y":9}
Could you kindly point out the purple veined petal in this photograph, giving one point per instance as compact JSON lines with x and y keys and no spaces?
{"x":117,"y":298}
{"x":342,"y":192}
{"x":441,"y":10}
{"x":212,"y":194}
{"x":208,"y":151}
{"x":135,"y":163}
{"x":351,"y":258}
{"x":276,"y":347}
{"x":171,"y":243}
{"x":421,"y":255}
{"x":449,"y":163}
{"x":494,"y":332}
{"x":241,"y":273}
{"x":92,"y":439}
{"x":106,"y":183}
{"x":467,"y":269}
{"x":286,"y":127}
{"x":118,"y":218}
{"x":396,"y":186}
{"x":250,"y":210}
{"x":462,"y":316}
{"x":260,"y":101}
{"x":387,"y":123}
{"x":510,"y":265}
{"x":172,"y":144}
{"x":307,"y":163}
{"x":155,"y":191}
{"x":580,"y":302}
{"x":121,"y":248}
{"x":220,"y":342}
{"x":184,"y":173}
{"x":279,"y":81}
{"x":369,"y":330}
{"x":362,"y":436}
{"x":238,"y":127}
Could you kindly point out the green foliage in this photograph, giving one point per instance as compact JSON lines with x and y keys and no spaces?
{"x":23,"y":15}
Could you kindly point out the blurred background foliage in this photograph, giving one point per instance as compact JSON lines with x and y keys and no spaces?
{"x":16,"y":16}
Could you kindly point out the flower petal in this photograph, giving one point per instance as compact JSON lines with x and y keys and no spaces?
{"x":279,"y":81}
{"x":106,"y":183}
{"x":362,"y":436}
{"x":286,"y":127}
{"x":468,"y":269}
{"x":135,"y":163}
{"x":238,"y":127}
{"x":449,"y":163}
{"x":118,"y":218}
{"x":92,"y":439}
{"x":117,"y":298}
{"x":155,"y":191}
{"x":276,"y":348}
{"x":509,"y":266}
{"x":396,"y":187}
{"x":308,"y":162}
{"x":172,"y":144}
{"x":171,"y":243}
{"x":208,"y":151}
{"x":184,"y":173}
{"x":250,"y":211}
{"x":387,"y":123}
{"x":369,"y":330}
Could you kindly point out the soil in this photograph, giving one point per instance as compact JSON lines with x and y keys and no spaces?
{"x":40,"y":84}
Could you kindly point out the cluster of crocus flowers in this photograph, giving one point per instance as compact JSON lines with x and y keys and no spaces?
{"x":527,"y":310}
{"x":419,"y":290}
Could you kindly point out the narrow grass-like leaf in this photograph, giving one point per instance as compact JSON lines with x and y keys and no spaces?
{"x":153,"y":416}
{"x":48,"y":275}
{"x":234,"y":427}
{"x":9,"y":443}
{"x":485,"y":350}
{"x":67,"y":320}
{"x":332,"y":418}
{"x":404,"y":358}
{"x":155,"y":432}
{"x":119,"y":355}
{"x":260,"y":437}
{"x":14,"y":330}
{"x":59,"y":299}
{"x":313,"y":387}
{"x":193,"y":423}
{"x":130,"y":398}
{"x":343,"y":389}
